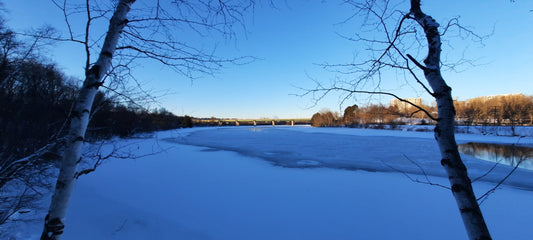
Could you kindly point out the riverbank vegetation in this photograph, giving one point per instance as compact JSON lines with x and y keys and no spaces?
{"x":500,"y":110}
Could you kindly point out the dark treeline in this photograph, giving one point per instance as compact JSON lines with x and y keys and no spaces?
{"x":36,"y":99}
{"x":111,"y":119}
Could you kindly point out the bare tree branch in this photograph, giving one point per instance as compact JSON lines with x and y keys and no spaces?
{"x":326,"y":90}
{"x":98,"y":157}
{"x":386,"y":53}
{"x":416,"y":180}
{"x":484,"y":197}
{"x":152,"y":36}
{"x":11,"y":168}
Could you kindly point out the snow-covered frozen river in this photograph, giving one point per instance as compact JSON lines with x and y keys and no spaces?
{"x":352,"y":149}
{"x":283,"y":183}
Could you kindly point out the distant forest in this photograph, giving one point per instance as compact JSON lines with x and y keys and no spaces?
{"x":37,"y":98}
{"x":500,"y":110}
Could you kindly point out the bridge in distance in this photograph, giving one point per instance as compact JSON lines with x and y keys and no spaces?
{"x":251,"y":122}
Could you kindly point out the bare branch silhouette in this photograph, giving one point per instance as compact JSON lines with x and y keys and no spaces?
{"x":416,"y":180}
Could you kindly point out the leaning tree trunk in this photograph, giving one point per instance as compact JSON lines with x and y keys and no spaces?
{"x":444,"y":131}
{"x":54,"y":222}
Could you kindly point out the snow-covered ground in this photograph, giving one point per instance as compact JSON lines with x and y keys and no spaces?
{"x":287,"y":183}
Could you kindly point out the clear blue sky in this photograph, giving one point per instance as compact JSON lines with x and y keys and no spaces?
{"x":290,"y":40}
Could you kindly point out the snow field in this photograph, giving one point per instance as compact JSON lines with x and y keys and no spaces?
{"x":224,"y":195}
{"x":198,"y":192}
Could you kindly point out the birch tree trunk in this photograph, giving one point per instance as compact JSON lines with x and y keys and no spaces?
{"x":54,"y":222}
{"x":444,"y":131}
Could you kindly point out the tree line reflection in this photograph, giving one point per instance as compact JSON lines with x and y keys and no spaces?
{"x":506,"y":154}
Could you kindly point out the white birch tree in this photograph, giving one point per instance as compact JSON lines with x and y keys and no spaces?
{"x":460,"y":183}
{"x":401,"y":35}
{"x":150,"y":32}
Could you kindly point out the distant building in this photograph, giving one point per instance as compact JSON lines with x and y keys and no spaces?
{"x":490,"y":97}
{"x":404,"y":106}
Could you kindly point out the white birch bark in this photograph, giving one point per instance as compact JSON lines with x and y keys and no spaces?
{"x":54,"y":222}
{"x":444,"y":131}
